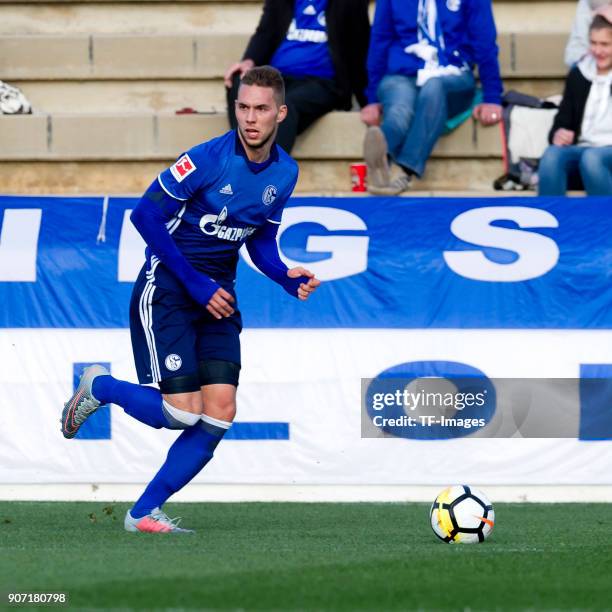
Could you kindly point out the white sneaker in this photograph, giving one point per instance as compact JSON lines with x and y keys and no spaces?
{"x":82,"y":404}
{"x":155,"y":522}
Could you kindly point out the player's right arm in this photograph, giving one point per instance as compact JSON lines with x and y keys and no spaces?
{"x":153,"y":211}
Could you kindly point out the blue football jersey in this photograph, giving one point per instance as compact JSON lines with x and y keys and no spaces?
{"x":305,"y":50}
{"x":226,"y":199}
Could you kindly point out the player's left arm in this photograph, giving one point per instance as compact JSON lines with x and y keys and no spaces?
{"x":263,"y":250}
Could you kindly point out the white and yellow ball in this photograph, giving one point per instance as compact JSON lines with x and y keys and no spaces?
{"x":462,"y":515}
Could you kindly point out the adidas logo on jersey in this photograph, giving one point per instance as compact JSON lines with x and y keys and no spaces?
{"x":310,"y":10}
{"x":227,"y":190}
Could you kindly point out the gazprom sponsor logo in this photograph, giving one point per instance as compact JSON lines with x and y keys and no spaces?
{"x":213,"y":225}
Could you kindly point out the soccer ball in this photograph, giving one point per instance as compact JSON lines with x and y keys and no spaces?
{"x":462,"y":515}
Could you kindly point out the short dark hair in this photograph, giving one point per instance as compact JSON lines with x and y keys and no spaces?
{"x":266,"y":76}
{"x":600,"y":23}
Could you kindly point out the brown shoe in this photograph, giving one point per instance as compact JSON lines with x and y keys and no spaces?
{"x":375,"y":155}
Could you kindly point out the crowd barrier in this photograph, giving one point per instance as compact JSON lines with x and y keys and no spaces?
{"x":510,"y":289}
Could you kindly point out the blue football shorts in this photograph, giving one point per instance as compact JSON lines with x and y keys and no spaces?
{"x":172,"y":336}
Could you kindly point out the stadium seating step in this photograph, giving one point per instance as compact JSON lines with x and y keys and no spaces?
{"x":337,"y":136}
{"x":322,"y":177}
{"x":120,"y":153}
{"x":198,"y":16}
{"x":186,"y":56}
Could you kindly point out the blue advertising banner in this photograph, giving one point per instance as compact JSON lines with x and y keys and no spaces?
{"x":546,"y":263}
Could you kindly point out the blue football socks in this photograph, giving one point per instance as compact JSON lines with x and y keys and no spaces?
{"x":145,"y":404}
{"x":191,"y":451}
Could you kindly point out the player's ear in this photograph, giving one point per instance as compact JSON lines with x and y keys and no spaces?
{"x":282,"y":113}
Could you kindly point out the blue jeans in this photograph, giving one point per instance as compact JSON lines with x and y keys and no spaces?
{"x":414,"y":117}
{"x":575,"y":166}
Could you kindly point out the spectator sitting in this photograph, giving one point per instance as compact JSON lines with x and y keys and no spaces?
{"x":420,"y":67}
{"x":320,"y":47}
{"x":581,"y":135}
{"x":578,"y":43}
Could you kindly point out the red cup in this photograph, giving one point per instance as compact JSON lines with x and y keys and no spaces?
{"x":359,"y":173}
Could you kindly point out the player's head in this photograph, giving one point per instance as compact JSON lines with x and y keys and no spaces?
{"x":601,"y":40}
{"x":260,"y":105}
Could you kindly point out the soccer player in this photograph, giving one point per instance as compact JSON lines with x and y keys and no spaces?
{"x":184,"y":320}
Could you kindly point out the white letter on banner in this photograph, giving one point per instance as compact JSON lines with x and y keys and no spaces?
{"x":349,"y":254}
{"x":131,"y":251}
{"x":537,"y":254}
{"x":19,"y":244}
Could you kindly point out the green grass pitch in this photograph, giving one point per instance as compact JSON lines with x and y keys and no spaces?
{"x":260,"y":556}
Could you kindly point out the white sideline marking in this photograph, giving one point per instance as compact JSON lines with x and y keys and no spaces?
{"x":200,"y":492}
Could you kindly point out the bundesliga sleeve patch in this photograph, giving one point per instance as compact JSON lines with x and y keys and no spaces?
{"x":182,"y":168}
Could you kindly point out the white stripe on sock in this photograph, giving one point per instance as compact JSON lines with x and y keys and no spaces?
{"x":189,"y":418}
{"x":216,"y":422}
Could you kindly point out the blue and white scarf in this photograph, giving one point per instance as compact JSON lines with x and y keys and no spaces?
{"x":431,"y":47}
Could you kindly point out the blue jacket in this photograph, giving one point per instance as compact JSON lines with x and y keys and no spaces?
{"x":469,"y":33}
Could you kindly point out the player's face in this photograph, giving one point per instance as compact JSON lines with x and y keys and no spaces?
{"x":601,"y":48}
{"x":258,"y":115}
